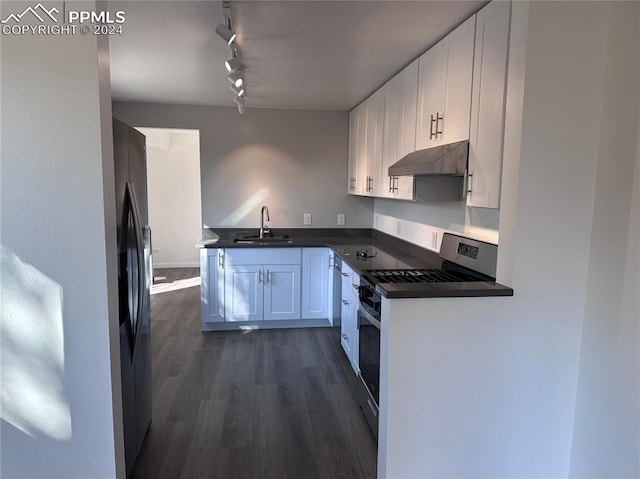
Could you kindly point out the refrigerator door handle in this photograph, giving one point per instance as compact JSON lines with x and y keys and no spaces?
{"x":141,"y":268}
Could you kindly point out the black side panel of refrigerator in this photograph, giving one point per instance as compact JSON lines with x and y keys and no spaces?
{"x":142,"y":360}
{"x":130,"y":167}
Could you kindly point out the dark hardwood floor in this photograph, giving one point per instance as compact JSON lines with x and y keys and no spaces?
{"x":251,"y":404}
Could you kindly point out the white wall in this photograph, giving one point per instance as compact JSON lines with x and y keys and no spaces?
{"x":293,"y":161}
{"x":173,"y":180}
{"x":58,"y":230}
{"x":606,"y":439}
{"x":544,"y":384}
{"x":419,"y":222}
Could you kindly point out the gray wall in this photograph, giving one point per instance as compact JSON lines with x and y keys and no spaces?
{"x":60,"y":399}
{"x":293,"y":161}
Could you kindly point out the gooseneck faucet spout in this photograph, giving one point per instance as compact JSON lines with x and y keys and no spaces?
{"x":264,"y":230}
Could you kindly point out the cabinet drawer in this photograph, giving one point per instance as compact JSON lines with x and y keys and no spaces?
{"x":263,"y":255}
{"x":350,"y":280}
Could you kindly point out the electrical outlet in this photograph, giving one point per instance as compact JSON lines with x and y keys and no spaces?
{"x":399,"y":228}
{"x":307,"y":219}
{"x":434,"y":240}
{"x":340,"y":219}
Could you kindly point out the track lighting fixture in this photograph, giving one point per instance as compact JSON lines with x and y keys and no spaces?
{"x":225,"y":31}
{"x":234,"y":63}
{"x":236,"y":79}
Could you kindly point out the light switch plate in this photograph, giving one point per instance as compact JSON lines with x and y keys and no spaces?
{"x":340,"y":219}
{"x":307,"y":219}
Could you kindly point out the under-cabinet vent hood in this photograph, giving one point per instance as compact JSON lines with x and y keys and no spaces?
{"x":448,"y":159}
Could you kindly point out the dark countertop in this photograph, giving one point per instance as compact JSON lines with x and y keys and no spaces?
{"x":390,"y":253}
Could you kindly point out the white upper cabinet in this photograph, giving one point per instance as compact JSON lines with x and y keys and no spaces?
{"x":366,"y":125}
{"x":357,"y":136}
{"x":374,"y":143}
{"x":444,"y":89}
{"x":401,"y":97}
{"x":488,"y":106}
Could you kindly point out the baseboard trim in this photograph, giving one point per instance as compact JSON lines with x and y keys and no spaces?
{"x":176,"y":265}
{"x":249,"y":325}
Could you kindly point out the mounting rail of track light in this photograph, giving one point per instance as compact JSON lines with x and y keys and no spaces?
{"x":234,"y":65}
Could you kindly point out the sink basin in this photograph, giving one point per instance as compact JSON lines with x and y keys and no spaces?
{"x":255,"y":239}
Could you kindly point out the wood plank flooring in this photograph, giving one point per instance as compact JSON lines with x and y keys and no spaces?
{"x":251,"y":404}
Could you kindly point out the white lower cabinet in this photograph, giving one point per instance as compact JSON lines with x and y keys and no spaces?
{"x":349,"y":321}
{"x":212,"y":285}
{"x":244,"y":295}
{"x":317,"y":282}
{"x":262,"y":284}
{"x":281,"y":291}
{"x":268,"y":284}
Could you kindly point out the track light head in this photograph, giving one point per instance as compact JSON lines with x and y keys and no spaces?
{"x":234,"y":64}
{"x":236,"y":79}
{"x":226,"y":33}
{"x":238,"y":91}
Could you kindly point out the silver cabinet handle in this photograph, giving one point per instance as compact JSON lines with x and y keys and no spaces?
{"x":220,"y":260}
{"x":439,"y":118}
{"x":431,"y":133}
{"x":345,"y":274}
{"x":331,"y":262}
{"x":345,"y":302}
{"x":353,"y":183}
{"x":259,"y":276}
{"x":345,"y":337}
{"x":355,"y":286}
{"x":390,"y":187}
{"x":268,"y":277}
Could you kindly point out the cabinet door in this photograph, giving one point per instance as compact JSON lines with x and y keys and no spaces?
{"x":243,"y":293}
{"x":281,"y":291}
{"x":359,"y":185}
{"x":488,"y":108}
{"x":374,"y":143}
{"x":392,"y":129}
{"x":407,"y":127}
{"x":349,"y":328}
{"x":317,"y":276}
{"x":354,"y":119}
{"x":432,"y":79}
{"x":457,"y":108}
{"x":212,"y":285}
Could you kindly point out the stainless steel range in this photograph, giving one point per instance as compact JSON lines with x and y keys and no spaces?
{"x":463,"y":260}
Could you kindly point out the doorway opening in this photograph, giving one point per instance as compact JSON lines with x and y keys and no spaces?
{"x":175,"y":206}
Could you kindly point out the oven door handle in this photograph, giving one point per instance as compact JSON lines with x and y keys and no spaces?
{"x":369,"y":317}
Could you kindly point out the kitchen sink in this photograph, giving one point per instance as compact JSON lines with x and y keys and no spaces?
{"x":255,"y":239}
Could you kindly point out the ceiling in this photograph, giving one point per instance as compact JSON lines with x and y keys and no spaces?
{"x":318,"y":55}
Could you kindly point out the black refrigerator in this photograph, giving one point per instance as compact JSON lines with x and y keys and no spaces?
{"x":134,"y":282}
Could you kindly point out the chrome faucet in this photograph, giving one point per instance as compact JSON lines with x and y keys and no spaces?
{"x":264,"y":230}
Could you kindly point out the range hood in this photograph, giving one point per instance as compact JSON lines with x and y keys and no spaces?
{"x":448,"y":159}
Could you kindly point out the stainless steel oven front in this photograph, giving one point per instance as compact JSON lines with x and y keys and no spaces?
{"x":369,"y":351}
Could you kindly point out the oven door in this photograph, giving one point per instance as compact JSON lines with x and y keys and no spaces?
{"x":369,"y":363}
